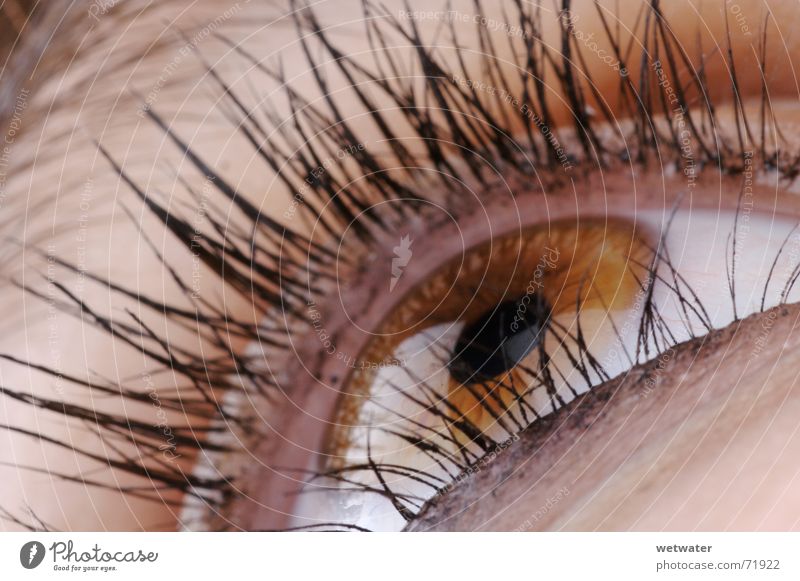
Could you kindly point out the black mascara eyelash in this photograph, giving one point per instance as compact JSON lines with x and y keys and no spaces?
{"x":272,"y":264}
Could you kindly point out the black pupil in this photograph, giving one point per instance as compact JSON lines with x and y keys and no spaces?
{"x":499,"y":340}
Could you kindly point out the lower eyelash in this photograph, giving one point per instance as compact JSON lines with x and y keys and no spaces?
{"x":272,"y":265}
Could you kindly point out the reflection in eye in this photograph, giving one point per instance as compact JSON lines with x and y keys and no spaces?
{"x":499,"y":340}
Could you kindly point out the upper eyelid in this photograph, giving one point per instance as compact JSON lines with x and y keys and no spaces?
{"x":532,"y":459}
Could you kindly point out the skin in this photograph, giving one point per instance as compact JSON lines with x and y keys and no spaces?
{"x":76,"y":98}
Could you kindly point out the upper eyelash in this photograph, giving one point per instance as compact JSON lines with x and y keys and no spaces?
{"x":252,"y":266}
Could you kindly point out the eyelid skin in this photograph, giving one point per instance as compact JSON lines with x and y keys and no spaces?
{"x":300,"y":421}
{"x":657,"y":447}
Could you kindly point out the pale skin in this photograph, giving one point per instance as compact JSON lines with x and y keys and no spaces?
{"x":710,"y":451}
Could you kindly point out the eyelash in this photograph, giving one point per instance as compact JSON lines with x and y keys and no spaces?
{"x":272,"y":264}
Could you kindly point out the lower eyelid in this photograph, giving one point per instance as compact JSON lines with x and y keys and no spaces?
{"x":624,"y":431}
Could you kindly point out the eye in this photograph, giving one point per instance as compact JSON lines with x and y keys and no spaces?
{"x":508,"y":331}
{"x":493,"y":322}
{"x":476,"y":351}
